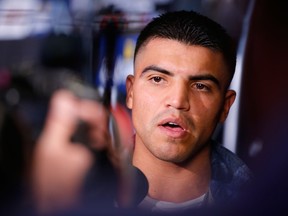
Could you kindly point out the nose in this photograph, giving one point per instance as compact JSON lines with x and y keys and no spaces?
{"x":178,"y":96}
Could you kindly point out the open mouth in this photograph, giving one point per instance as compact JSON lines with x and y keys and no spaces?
{"x":172,"y":125}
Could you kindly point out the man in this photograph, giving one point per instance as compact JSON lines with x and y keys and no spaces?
{"x":184,"y":63}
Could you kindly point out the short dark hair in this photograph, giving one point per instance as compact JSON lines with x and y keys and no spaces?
{"x":190,"y":28}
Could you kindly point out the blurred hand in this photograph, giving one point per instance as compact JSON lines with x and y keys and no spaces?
{"x":60,"y":165}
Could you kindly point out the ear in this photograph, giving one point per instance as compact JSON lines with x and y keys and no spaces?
{"x":129,"y":91}
{"x":229,"y":100}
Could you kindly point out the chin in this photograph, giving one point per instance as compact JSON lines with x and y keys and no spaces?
{"x":172,"y":158}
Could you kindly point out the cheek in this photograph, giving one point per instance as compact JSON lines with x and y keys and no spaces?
{"x":145,"y":108}
{"x":144,"y":98}
{"x":206,"y":110}
{"x":141,"y":105}
{"x":201,"y":105}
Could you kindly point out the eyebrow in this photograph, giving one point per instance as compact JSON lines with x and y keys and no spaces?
{"x":156,"y":68}
{"x":192,"y":78}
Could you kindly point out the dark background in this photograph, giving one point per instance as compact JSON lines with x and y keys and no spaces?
{"x":263,"y":103}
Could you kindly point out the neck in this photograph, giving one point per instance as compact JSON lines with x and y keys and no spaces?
{"x":174,"y":182}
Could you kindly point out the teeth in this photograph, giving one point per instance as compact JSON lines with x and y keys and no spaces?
{"x":172,"y":124}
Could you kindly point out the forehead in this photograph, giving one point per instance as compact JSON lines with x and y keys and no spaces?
{"x":181,"y":58}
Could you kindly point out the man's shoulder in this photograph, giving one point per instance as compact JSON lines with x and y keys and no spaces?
{"x":224,"y":155}
{"x":229,"y":172}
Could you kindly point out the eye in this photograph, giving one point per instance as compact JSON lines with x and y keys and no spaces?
{"x":200,"y":87}
{"x":157,"y":79}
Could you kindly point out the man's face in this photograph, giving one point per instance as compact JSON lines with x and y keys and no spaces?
{"x":177,"y":96}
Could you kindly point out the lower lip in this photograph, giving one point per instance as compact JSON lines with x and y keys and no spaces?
{"x":173,"y":132}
